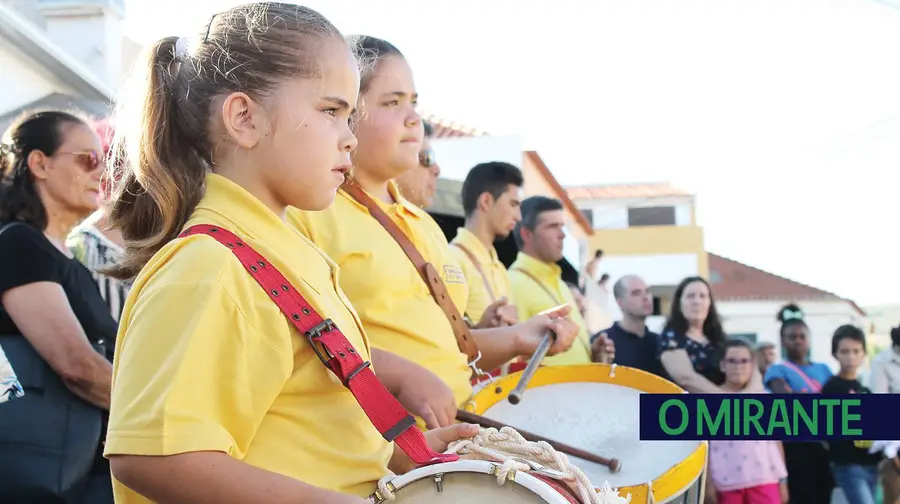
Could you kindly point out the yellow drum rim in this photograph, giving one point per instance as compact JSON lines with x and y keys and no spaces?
{"x":673,"y":483}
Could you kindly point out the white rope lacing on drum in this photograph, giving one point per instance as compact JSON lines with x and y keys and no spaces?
{"x":612,"y":370}
{"x":506,"y":446}
{"x":651,"y":499}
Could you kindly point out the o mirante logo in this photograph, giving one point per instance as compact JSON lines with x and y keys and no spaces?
{"x":797,"y":417}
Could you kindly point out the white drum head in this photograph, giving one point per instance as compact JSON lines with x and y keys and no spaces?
{"x":470,"y":482}
{"x":600,"y":418}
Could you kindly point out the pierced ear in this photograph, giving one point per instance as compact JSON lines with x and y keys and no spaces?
{"x":245,"y":120}
{"x":37,"y":163}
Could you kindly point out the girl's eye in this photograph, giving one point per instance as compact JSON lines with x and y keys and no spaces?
{"x":331,"y":111}
{"x":394,"y":103}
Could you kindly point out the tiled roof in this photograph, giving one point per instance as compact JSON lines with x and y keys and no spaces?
{"x":732,"y":281}
{"x":623,"y":191}
{"x":449,"y":129}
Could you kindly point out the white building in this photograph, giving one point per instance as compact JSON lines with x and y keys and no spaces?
{"x":648,"y":230}
{"x":62,"y":54}
{"x":749,"y":300}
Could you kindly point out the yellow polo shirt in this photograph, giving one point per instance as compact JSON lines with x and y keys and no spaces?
{"x":205,"y":360}
{"x":395,"y":305}
{"x":532,"y":299}
{"x":494,"y":273}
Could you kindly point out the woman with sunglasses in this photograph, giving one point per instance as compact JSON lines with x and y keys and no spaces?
{"x":51,"y":312}
{"x":419,"y":185}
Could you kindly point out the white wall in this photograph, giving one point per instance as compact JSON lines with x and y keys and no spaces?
{"x":655,"y":269}
{"x":613,"y":213}
{"x":25,"y":81}
{"x":822,"y":317}
{"x":456,"y":156}
{"x":92,"y":34}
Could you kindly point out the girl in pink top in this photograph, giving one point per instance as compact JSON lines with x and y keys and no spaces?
{"x":744,"y":472}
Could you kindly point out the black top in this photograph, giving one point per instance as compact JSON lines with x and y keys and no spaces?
{"x":849,"y":452}
{"x":26,"y":257}
{"x":704,"y":357}
{"x":636,"y":351}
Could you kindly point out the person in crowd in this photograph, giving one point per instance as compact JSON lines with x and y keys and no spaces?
{"x":216,"y":397}
{"x":536,"y":278}
{"x":98,"y":246}
{"x":765,"y":356}
{"x":636,"y":345}
{"x":885,"y":379}
{"x":692,"y":341}
{"x":10,"y":387}
{"x":744,"y":471}
{"x":402,"y":316}
{"x":579,"y":298}
{"x":596,"y":314}
{"x":50,"y":167}
{"x":855,"y":469}
{"x":420,"y":186}
{"x":810,"y":478}
{"x":490,"y":199}
{"x":604,"y":281}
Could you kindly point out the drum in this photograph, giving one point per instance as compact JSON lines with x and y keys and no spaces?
{"x":467,"y":482}
{"x":595,"y":407}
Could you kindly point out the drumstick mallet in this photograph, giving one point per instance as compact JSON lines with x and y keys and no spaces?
{"x":613,"y":464}
{"x":515,"y":396}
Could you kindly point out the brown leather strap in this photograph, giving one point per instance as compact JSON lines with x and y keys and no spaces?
{"x":484,"y":278}
{"x":540,"y":284}
{"x":426,"y":270}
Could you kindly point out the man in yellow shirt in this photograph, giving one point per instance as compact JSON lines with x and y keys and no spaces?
{"x":490,"y":199}
{"x":536,"y":278}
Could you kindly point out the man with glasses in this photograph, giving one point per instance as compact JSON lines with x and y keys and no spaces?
{"x":419,"y":184}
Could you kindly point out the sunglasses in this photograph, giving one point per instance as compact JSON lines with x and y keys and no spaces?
{"x":87,"y":160}
{"x":426,"y":158}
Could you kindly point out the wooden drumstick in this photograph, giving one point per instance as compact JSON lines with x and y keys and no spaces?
{"x":515,"y":397}
{"x":613,"y":464}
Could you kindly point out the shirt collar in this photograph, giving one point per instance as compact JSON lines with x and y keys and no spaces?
{"x":402,"y":204}
{"x":549,"y":272}
{"x":249,"y":216}
{"x":468,"y":239}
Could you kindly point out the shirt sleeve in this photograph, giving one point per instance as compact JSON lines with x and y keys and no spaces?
{"x":26,"y":258}
{"x":878,"y":380}
{"x":191,"y":374}
{"x":774,"y":372}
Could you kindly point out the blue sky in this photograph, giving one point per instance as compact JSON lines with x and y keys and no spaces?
{"x":782,"y":115}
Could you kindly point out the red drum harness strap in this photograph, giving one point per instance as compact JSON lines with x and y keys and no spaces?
{"x":334,"y":350}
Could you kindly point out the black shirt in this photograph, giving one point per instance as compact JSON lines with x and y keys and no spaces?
{"x":849,"y":452}
{"x":636,"y":351}
{"x":704,"y":356}
{"x":27,"y":256}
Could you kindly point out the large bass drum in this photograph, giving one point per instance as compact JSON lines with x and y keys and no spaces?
{"x":595,"y":407}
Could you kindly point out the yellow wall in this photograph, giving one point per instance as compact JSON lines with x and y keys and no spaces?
{"x":653,"y":240}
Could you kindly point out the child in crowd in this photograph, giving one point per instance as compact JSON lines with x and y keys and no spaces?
{"x":744,"y":472}
{"x":854,"y":468}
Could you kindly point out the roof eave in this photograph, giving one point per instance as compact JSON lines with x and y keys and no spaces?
{"x":29,"y":39}
{"x":560,"y":192}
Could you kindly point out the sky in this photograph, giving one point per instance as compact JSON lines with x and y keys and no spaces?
{"x":782,"y":116}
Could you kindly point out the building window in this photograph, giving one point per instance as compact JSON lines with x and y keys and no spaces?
{"x":657,"y":306}
{"x":589,"y":215}
{"x":651,"y":216}
{"x":748,"y":337}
